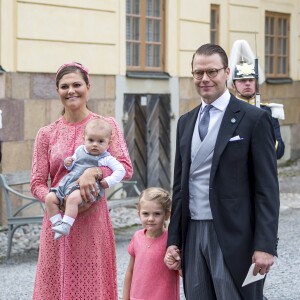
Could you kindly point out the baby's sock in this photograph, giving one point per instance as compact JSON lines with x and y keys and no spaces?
{"x":65,"y":226}
{"x":55,"y":219}
{"x":68,"y":220}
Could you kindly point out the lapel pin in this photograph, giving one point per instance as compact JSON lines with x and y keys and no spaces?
{"x":233,"y":120}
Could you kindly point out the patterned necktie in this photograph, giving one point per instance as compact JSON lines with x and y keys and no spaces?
{"x":204,"y":122}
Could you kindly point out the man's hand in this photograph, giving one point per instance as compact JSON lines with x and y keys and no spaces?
{"x":263,"y":262}
{"x":172,"y":258}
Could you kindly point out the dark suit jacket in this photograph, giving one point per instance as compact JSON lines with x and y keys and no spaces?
{"x":243,"y":189}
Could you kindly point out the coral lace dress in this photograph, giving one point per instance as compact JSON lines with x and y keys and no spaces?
{"x":82,"y":265}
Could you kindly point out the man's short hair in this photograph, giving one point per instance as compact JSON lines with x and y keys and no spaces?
{"x":210,"y":49}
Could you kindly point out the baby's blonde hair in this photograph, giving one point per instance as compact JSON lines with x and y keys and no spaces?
{"x":99,"y":124}
{"x":156,"y":193}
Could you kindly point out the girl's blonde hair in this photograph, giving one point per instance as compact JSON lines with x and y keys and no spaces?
{"x":156,"y":193}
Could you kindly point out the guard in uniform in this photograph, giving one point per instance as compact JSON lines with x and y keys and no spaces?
{"x":243,"y":81}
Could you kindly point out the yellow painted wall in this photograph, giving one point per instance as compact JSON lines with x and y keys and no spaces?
{"x":40,"y":35}
{"x":7,"y":34}
{"x":172,"y":40}
{"x":246,"y":22}
{"x":194,"y":19}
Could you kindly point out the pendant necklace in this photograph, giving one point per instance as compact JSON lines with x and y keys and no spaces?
{"x":150,"y":241}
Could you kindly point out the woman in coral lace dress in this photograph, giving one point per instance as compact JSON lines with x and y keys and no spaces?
{"x":83,"y":264}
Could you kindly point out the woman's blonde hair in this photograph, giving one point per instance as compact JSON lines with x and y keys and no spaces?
{"x":156,"y":193}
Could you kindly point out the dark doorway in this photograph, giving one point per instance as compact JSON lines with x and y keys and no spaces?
{"x":147,"y":133}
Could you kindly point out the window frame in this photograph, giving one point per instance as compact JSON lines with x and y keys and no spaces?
{"x":274,"y":39}
{"x":143,"y":36}
{"x":215,"y":27}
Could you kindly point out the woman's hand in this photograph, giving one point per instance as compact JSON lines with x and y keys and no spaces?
{"x":87,"y":183}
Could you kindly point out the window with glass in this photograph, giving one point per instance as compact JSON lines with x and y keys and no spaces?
{"x":277,"y":44}
{"x":145,"y":35}
{"x":214,"y":23}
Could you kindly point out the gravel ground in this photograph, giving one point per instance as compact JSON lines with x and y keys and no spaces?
{"x":282,"y":283}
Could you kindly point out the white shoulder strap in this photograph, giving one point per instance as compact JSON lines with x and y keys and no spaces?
{"x":277,"y":110}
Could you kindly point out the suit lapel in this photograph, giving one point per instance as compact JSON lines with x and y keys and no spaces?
{"x":231,"y":119}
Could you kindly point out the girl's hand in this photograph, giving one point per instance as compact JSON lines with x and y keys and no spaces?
{"x":172,"y":258}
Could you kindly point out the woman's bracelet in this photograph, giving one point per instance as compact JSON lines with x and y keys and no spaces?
{"x":99,"y":175}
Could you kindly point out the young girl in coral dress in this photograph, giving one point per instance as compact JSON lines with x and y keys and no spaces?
{"x":147,"y":277}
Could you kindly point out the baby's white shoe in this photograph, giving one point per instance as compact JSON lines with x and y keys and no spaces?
{"x":62,"y":228}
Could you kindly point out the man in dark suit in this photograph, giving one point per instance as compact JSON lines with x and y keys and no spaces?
{"x":225,"y":194}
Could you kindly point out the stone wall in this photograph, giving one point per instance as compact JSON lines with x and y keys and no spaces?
{"x":29,"y":101}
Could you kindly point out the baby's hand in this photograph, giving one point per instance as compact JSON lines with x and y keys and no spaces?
{"x":68,"y":161}
{"x":104,"y":184}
